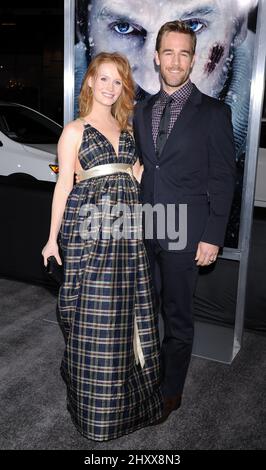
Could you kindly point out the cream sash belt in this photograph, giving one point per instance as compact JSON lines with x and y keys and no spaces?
{"x":105,"y":170}
{"x":139,"y":358}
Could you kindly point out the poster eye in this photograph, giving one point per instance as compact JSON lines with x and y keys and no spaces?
{"x":123,"y":28}
{"x":196,"y":25}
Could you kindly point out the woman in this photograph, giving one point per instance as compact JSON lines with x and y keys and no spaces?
{"x":111,"y":360}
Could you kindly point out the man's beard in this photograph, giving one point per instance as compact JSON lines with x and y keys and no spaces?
{"x":178,"y":81}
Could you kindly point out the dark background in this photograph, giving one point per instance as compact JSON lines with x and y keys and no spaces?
{"x":32,"y":53}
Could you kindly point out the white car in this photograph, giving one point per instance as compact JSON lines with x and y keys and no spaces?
{"x":28,"y":142}
{"x":260,"y":190}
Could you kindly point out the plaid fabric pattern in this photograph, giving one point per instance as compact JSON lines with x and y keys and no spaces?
{"x":179,"y":99}
{"x":107,"y":282}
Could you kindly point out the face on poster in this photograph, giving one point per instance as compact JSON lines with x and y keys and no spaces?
{"x":225,"y":45}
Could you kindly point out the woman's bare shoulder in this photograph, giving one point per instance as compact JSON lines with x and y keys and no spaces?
{"x":72,"y":130}
{"x":75,"y":126}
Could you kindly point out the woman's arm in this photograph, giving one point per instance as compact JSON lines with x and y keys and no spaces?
{"x":138,"y":170}
{"x":67,"y":153}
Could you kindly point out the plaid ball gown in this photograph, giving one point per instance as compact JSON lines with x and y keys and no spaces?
{"x":106,"y":289}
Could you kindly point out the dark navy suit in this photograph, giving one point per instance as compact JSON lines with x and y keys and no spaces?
{"x":197,"y":168}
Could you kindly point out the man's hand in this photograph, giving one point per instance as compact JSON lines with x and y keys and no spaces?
{"x":206,"y":254}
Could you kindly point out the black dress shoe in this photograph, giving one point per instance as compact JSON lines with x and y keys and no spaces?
{"x":170,"y":404}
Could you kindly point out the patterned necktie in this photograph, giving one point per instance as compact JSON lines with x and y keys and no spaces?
{"x":163,"y":127}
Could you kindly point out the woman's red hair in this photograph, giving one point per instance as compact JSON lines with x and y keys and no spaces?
{"x":122,"y":109}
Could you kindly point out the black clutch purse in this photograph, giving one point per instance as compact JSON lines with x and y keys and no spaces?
{"x":55,"y":270}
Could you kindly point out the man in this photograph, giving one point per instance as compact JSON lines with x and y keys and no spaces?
{"x":224,"y":47}
{"x":185,"y":141}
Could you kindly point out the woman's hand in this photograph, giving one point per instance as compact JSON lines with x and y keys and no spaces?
{"x":51,"y":249}
{"x":138,"y":170}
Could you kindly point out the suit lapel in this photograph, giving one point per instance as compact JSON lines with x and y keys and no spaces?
{"x":147,"y":115}
{"x":189,"y":111}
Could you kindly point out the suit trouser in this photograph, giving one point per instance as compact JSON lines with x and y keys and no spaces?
{"x":175,"y":289}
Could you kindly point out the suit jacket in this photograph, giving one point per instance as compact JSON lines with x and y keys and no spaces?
{"x":196,"y":166}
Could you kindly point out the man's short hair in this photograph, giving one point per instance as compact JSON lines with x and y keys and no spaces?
{"x":176,"y":27}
